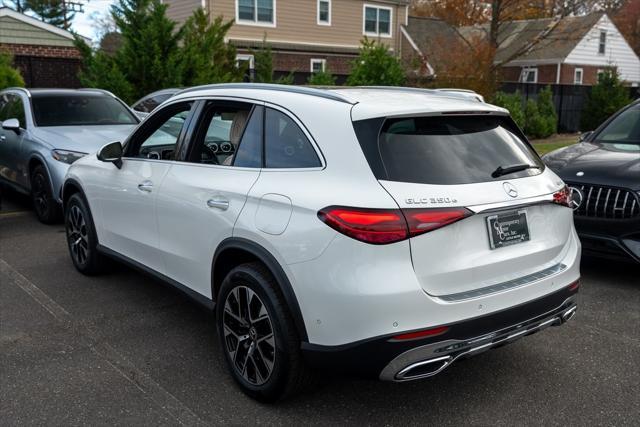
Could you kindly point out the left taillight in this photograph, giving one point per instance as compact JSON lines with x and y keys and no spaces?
{"x":563,"y":197}
{"x":384,"y":226}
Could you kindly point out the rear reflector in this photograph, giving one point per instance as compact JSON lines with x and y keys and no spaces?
{"x":563,"y":197}
{"x":421,"y":334}
{"x":575,"y":285}
{"x":384,"y":226}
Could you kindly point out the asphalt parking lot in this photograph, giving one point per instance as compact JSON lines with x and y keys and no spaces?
{"x":124,"y":349}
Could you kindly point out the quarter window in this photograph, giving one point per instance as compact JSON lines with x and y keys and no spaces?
{"x":377,"y":21}
{"x":257,"y":12}
{"x":286,"y":146}
{"x":324,"y":12}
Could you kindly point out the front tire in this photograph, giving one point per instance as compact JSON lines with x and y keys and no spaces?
{"x":259,"y":342}
{"x":47,"y":208}
{"x":81,"y":237}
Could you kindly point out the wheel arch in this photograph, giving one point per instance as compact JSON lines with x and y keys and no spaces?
{"x":69,"y":188}
{"x":37,"y":160}
{"x":234,"y":251}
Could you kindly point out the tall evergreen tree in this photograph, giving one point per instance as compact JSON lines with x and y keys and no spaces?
{"x":17,"y":5}
{"x":206,"y":58}
{"x":54,"y":12}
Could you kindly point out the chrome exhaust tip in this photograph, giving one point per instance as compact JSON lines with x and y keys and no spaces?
{"x":423,"y":369}
{"x":568,"y":314}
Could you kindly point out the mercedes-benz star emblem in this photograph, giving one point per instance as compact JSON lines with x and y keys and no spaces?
{"x":580,"y":173}
{"x":576,"y":197}
{"x":510,"y":189}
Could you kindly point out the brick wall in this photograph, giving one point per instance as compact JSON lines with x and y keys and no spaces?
{"x":285,"y":62}
{"x":547,"y":74}
{"x":46,"y":66}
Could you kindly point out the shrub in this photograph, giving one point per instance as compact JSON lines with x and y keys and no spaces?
{"x":9,"y":76}
{"x":606,"y":97}
{"x":546,"y":124}
{"x":375,"y":66}
{"x":513,"y":103}
{"x":263,"y":58}
{"x":322,"y":78}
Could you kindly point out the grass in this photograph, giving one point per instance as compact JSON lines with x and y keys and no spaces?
{"x":544,"y":146}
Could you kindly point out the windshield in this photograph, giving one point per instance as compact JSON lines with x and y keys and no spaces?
{"x":452,"y":150}
{"x":80,"y":110}
{"x":624,"y":129}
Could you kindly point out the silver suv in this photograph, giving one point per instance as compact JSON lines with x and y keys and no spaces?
{"x":43,"y":131}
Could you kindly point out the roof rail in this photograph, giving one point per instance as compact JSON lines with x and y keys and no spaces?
{"x":25,"y":90}
{"x":302,"y":90}
{"x":454,"y":93}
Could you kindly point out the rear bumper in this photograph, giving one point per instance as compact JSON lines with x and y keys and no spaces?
{"x":393,"y":360}
{"x":606,"y":238}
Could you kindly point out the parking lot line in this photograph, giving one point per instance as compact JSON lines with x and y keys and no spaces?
{"x":151,"y":390}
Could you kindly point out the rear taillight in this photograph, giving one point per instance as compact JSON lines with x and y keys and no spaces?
{"x":575,"y":285}
{"x":563,"y":197}
{"x":383,"y":226}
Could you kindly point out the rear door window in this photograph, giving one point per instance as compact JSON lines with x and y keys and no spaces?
{"x":446,"y":150}
{"x":286,"y":146}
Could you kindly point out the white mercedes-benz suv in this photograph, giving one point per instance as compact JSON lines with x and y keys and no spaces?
{"x":378,"y":231}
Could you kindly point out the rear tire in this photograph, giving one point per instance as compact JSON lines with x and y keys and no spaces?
{"x":81,"y":237}
{"x":48,"y":210}
{"x":257,"y":335}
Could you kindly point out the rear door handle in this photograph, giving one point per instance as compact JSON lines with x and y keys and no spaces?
{"x":3,"y":138}
{"x":218,"y":203}
{"x":145,"y":186}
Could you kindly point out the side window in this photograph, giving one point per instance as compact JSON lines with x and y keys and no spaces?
{"x":221,"y":132}
{"x":4,"y":100}
{"x":15,"y":110}
{"x":159,"y":139}
{"x":286,"y":146}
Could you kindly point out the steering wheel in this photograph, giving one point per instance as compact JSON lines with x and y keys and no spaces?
{"x":209,"y":156}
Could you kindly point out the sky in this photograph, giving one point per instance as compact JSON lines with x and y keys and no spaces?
{"x":82,"y":24}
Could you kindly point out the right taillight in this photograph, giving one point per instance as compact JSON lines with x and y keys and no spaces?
{"x":384,"y":226}
{"x":563,"y":197}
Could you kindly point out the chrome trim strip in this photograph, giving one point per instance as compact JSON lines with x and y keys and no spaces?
{"x":503,"y":286}
{"x":447,"y":352}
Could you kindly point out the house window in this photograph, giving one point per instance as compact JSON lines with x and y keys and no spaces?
{"x":248,"y":63}
{"x":603,"y":42}
{"x":256,"y":12}
{"x":318,"y":65}
{"x":377,"y":21}
{"x":529,"y":75}
{"x":324,"y":12}
{"x":577,"y":76}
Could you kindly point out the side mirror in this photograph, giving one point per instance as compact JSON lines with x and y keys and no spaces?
{"x":12,"y":124}
{"x":111,"y":153}
{"x":585,"y":135}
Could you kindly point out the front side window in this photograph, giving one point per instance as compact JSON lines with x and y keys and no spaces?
{"x":80,"y":110}
{"x":324,"y":12}
{"x":602,"y":46}
{"x":15,"y":110}
{"x":257,"y":12}
{"x":624,"y":129}
{"x":447,"y":150}
{"x":377,"y":21}
{"x":286,"y":145}
{"x":4,"y":100}
{"x":158,"y":140}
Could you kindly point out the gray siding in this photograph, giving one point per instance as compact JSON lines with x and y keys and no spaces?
{"x":13,"y":31}
{"x":180,"y":10}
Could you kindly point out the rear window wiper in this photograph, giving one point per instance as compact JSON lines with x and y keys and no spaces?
{"x":512,"y":169}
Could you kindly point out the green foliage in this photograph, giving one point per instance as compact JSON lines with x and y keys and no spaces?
{"x":53,"y":12}
{"x":9,"y":76}
{"x":375,"y":66}
{"x":322,"y":78}
{"x":606,"y":97}
{"x":206,"y":58}
{"x":263,"y":58}
{"x":538,"y":119}
{"x":150,"y":55}
{"x":513,"y":103}
{"x":102,"y":71}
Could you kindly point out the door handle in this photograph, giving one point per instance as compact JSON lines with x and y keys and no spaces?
{"x":3,"y":138}
{"x":145,"y":186}
{"x":218,"y":203}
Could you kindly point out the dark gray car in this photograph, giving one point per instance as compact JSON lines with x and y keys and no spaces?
{"x":43,"y":131}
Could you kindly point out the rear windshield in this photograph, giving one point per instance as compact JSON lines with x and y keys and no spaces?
{"x":445,"y":150}
{"x":80,"y":110}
